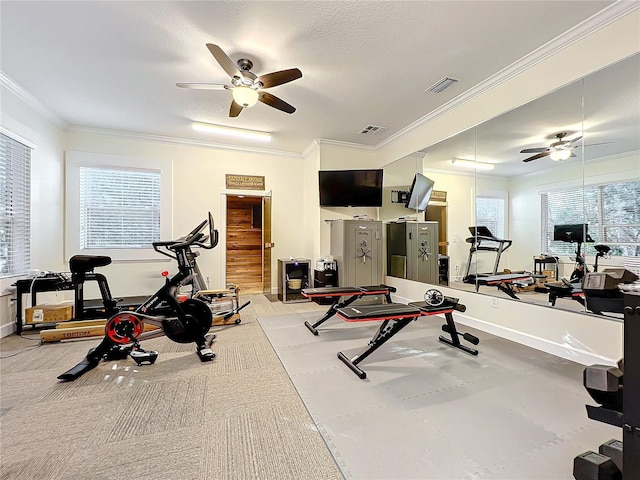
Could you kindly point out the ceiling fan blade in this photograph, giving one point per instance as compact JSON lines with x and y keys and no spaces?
{"x":225,"y":62}
{"x":204,"y":86}
{"x":235,"y":109}
{"x":574,"y":140}
{"x":278,"y":78}
{"x":533,"y":150}
{"x":594,"y":144}
{"x":535,"y":157}
{"x":275,"y":102}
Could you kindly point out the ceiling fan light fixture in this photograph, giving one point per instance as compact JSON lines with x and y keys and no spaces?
{"x":245,"y":96}
{"x":231,"y":131}
{"x":459,"y":162}
{"x":561,"y":154}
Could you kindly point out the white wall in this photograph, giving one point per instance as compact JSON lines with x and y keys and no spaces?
{"x":46,"y":192}
{"x":198,"y":183}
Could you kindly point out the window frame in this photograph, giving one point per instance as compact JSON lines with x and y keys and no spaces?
{"x":73,"y":162}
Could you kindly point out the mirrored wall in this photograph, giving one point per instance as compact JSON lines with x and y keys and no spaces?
{"x":532,"y":204}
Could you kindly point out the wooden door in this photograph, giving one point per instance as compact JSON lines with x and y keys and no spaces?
{"x":244,"y":243}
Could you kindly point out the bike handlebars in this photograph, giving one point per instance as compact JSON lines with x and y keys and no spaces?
{"x":194,"y":237}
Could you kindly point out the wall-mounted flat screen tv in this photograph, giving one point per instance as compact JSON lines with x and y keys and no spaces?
{"x":350,"y":188}
{"x":420,"y":193}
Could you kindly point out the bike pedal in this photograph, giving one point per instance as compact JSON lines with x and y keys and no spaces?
{"x":118,"y":352}
{"x":206,"y":354}
{"x":148,"y":357}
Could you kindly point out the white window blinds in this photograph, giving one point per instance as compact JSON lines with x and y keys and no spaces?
{"x":490,"y":213}
{"x":15,"y":207}
{"x":119,"y":208}
{"x":611,"y":211}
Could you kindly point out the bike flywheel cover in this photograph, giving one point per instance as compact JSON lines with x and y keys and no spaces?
{"x":123,"y":327}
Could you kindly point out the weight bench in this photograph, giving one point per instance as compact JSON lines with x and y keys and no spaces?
{"x":504,"y":282}
{"x":334,"y":294}
{"x":395,"y":317}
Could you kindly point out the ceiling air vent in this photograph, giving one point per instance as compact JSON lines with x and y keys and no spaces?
{"x":440,"y":85}
{"x":372,"y":129}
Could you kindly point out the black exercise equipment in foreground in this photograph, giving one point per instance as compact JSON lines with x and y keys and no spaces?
{"x":395,"y":317}
{"x":182,"y":322}
{"x":322,"y":295}
{"x":484,"y":241}
{"x":616,"y":389}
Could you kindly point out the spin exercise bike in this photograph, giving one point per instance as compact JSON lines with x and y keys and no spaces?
{"x":182,"y":322}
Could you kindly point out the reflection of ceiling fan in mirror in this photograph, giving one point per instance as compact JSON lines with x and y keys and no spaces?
{"x":559,"y":150}
{"x":247,"y":88}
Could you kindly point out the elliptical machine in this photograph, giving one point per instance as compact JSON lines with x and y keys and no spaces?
{"x":182,"y":322}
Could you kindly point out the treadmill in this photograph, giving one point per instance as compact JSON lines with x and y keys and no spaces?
{"x":482,"y":240}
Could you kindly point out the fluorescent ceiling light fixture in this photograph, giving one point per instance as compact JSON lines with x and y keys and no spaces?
{"x":562,"y":154}
{"x":458,"y":162}
{"x":245,"y":96}
{"x":231,"y":131}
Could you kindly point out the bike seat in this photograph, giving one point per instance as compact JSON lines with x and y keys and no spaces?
{"x":86,"y":263}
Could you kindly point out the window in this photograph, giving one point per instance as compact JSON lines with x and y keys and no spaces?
{"x":612,"y":212}
{"x":116,"y":206}
{"x":119,"y":208}
{"x":15,"y":199}
{"x":490,"y":213}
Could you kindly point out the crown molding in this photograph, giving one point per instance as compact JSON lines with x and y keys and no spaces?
{"x":16,"y":89}
{"x":610,"y":14}
{"x":145,"y":137}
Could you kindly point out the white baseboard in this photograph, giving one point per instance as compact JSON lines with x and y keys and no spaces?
{"x":7,"y":329}
{"x":563,"y":351}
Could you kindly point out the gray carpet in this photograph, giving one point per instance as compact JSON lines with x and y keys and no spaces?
{"x":238,"y":417}
{"x":429,"y":411}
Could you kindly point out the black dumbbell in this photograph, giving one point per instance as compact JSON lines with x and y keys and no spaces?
{"x":613,"y":450}
{"x":604,"y":384}
{"x":595,"y":466}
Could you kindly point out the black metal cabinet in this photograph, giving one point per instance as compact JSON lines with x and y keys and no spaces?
{"x":293,"y":276}
{"x":631,"y":395}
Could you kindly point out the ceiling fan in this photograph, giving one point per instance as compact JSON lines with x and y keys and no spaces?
{"x":246,"y":87}
{"x":559,"y":150}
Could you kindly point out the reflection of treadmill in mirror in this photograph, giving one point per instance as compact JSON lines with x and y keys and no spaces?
{"x":482,"y":240}
{"x":574,"y":233}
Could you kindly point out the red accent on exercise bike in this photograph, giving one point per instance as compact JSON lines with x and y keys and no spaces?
{"x":165,"y":274}
{"x":123,"y":327}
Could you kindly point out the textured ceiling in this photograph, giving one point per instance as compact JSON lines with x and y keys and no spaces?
{"x":114,"y":65}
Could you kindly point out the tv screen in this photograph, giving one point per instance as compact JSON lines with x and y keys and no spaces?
{"x":570,"y":233}
{"x":420,"y":193}
{"x":350,"y":188}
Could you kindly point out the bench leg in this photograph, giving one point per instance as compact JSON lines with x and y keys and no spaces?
{"x":508,"y":289}
{"x":454,"y":341}
{"x":331,"y":312}
{"x":387,"y":330}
